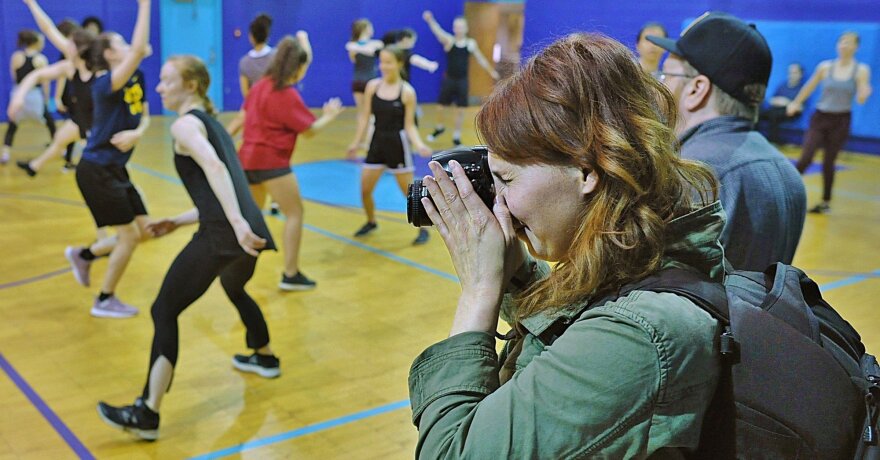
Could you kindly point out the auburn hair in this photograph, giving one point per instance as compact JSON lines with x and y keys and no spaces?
{"x":584,"y":102}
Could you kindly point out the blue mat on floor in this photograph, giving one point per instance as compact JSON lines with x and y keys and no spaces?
{"x":338,"y":182}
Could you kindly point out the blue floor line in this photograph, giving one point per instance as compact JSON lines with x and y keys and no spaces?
{"x":293,"y":434}
{"x":78,"y":448}
{"x":309,"y":429}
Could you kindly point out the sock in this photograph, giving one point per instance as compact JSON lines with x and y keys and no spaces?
{"x":456,"y":134}
{"x":104,"y":296}
{"x":87,"y":254}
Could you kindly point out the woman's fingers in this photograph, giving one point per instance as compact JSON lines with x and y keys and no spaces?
{"x":452,"y":203}
{"x":502,"y":213}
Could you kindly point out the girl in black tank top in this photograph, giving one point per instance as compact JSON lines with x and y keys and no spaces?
{"x":393,"y":102}
{"x":230,"y":236}
{"x":29,"y":58}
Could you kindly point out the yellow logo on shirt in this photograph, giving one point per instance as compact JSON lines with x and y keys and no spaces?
{"x":134,"y":96}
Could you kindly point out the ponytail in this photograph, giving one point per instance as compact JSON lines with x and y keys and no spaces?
{"x":289,"y":57}
{"x":193,"y":69}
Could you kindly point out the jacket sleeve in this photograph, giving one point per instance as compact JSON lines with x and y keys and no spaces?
{"x":592,"y":391}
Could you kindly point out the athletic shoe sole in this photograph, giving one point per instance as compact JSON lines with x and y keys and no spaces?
{"x":100,"y":313}
{"x":70,"y":255}
{"x":259,"y":370}
{"x":147,"y":435}
{"x":296,"y":287}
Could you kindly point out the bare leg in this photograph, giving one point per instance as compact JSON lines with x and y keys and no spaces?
{"x":66,"y":134}
{"x":128,"y":237}
{"x":285,"y":191}
{"x":369,"y":178}
{"x":258,"y":191}
{"x":160,"y":378}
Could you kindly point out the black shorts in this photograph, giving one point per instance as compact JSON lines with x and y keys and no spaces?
{"x":109,"y":193}
{"x":258,"y":176}
{"x":389,"y":149}
{"x":454,"y":91}
{"x":358,"y":86}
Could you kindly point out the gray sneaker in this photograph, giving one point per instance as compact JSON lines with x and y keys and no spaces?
{"x":79,"y":266}
{"x":112,"y":307}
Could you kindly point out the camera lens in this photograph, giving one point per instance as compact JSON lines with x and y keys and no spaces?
{"x":415,"y":211}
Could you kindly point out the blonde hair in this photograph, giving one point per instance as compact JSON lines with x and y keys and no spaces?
{"x":584,"y":102}
{"x":192,"y":69}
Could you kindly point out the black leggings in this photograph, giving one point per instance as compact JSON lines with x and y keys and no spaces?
{"x":190,"y":275}
{"x":13,"y":127}
{"x":828,"y":131}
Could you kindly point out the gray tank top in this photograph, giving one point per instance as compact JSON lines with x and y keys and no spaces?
{"x":837,"y":95}
{"x":364,"y":67}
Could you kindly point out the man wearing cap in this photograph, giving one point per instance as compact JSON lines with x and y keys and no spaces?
{"x":717,"y":72}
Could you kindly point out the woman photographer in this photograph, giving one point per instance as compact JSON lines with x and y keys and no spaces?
{"x":582,"y":151}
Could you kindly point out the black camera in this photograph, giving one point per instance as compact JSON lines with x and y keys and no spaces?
{"x":474,"y":161}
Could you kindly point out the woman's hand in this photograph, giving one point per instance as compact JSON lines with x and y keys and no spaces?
{"x":250,"y":242}
{"x":161,"y":227}
{"x":125,"y":140}
{"x":478,"y":240}
{"x":332,"y":107}
{"x":352,"y":150}
{"x":793,"y":108}
{"x":424,"y":151}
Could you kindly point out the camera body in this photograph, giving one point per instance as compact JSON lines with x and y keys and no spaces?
{"x":474,"y":161}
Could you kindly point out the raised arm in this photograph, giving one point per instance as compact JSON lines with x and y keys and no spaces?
{"x":444,"y":37}
{"x":303,"y":38}
{"x":44,"y":22}
{"x":863,"y":83}
{"x":140,"y":48}
{"x":189,"y":133}
{"x":478,"y":55}
{"x":797,"y":105}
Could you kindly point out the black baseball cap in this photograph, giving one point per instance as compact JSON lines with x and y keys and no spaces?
{"x":730,"y":52}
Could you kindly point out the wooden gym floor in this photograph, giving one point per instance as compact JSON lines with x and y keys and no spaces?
{"x":345,"y":347}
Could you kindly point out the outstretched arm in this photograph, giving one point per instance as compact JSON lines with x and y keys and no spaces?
{"x":423,"y":63}
{"x":46,"y":74}
{"x":140,"y":48}
{"x":478,"y":55}
{"x":444,"y":37}
{"x":797,"y":105}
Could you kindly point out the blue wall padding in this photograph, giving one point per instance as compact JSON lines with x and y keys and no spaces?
{"x":117,"y":15}
{"x":803,"y":30}
{"x":329,"y":28}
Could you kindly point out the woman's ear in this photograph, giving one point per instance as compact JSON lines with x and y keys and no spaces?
{"x":590,"y":181}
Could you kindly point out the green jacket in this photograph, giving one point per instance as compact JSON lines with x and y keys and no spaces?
{"x":628,"y":379}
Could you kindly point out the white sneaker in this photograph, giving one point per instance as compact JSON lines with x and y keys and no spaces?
{"x":112,"y":307}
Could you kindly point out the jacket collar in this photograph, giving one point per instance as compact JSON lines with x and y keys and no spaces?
{"x":693,"y":241}
{"x":720,"y":125}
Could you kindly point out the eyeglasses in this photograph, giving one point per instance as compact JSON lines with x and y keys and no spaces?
{"x":662,"y":76}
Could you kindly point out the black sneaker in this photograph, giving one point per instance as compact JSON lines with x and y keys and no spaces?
{"x":297,"y":282}
{"x":137,"y":419}
{"x":274,"y":209}
{"x":438,"y":130}
{"x":268,"y":366}
{"x":423,"y":237}
{"x":821,"y":208}
{"x":26,"y":166}
{"x":68,"y":167}
{"x":367,"y":228}
{"x":456,"y":141}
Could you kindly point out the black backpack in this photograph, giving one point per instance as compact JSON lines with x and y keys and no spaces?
{"x":795,"y":382}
